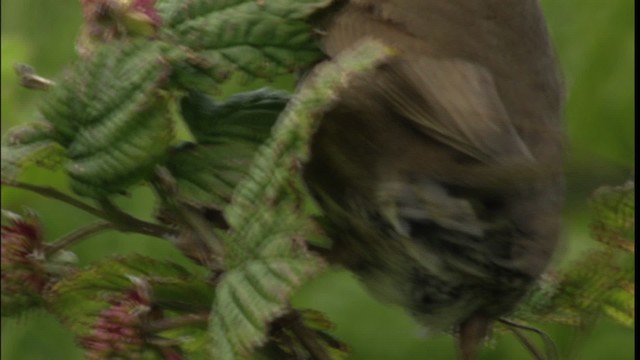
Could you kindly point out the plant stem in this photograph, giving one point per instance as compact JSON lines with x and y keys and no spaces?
{"x":77,"y":235}
{"x":119,"y":219}
{"x":204,"y":247}
{"x":176,"y":322}
{"x":204,"y":235}
{"x":52,"y":193}
{"x":127,"y":223}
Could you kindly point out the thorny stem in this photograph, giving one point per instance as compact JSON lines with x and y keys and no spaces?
{"x":128,"y":223}
{"x":203,"y":230}
{"x":208,"y":247}
{"x":77,"y":235}
{"x":120,"y":220}
{"x":176,"y":322}
{"x":52,"y":193}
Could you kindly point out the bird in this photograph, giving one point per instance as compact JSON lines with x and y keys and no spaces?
{"x":439,"y":172}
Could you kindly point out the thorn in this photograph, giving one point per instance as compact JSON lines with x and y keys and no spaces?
{"x":30,"y":80}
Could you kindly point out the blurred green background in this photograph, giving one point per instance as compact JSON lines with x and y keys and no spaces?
{"x":595,"y":43}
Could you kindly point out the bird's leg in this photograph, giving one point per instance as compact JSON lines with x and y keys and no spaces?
{"x":470,"y":336}
{"x":551,"y":349}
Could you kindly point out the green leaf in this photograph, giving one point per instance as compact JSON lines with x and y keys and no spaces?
{"x":265,"y":256}
{"x":111,"y":117}
{"x":102,"y":168}
{"x":602,"y":281}
{"x":78,"y":299}
{"x":26,"y":145}
{"x":207,"y":174}
{"x":614,"y":210}
{"x":259,"y":39}
{"x":245,"y":118}
{"x":229,"y":134}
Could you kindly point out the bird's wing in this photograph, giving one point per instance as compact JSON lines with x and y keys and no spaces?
{"x":451,"y":100}
{"x":455,"y":102}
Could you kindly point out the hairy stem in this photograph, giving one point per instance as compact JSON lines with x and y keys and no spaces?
{"x":127,"y":223}
{"x":120,"y":220}
{"x":204,"y":246}
{"x":176,"y":322}
{"x":78,"y":235}
{"x":55,"y":194}
{"x":204,"y":232}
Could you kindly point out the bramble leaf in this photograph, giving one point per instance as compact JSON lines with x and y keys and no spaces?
{"x":246,"y":118}
{"x":78,"y":299}
{"x":602,"y":281}
{"x":29,"y":144}
{"x":265,"y":255}
{"x":228,"y":135}
{"x":258,"y":39}
{"x":614,"y":210}
{"x":110,"y":115}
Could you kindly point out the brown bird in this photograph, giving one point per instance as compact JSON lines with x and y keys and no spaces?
{"x":440,"y":172}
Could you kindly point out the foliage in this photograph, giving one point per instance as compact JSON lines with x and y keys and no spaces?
{"x":230,"y":199}
{"x":601,"y":282}
{"x":109,"y":121}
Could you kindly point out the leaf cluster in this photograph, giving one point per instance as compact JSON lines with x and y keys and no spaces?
{"x":230,"y":199}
